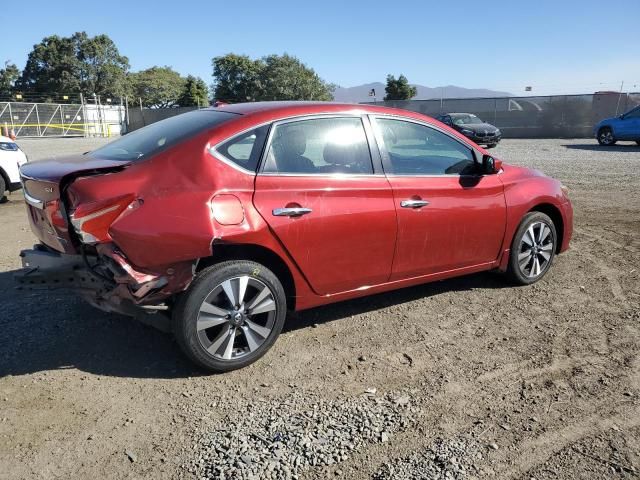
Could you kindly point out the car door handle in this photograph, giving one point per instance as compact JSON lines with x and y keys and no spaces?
{"x":413,"y":203}
{"x":291,"y":212}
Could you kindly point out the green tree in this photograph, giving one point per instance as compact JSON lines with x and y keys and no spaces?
{"x":76,"y":64}
{"x":194,"y":93}
{"x":51,"y":68}
{"x":238,"y":78}
{"x":399,"y":89}
{"x":283,"y":77}
{"x":158,"y":87}
{"x":102,"y":69}
{"x":8,"y":77}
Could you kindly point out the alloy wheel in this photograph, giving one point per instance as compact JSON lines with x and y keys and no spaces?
{"x":606,"y":137}
{"x":536,"y":250}
{"x":236,"y":318}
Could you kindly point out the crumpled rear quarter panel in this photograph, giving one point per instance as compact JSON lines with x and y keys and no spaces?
{"x":173,"y":222}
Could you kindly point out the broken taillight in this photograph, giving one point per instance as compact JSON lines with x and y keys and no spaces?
{"x":54,"y":214}
{"x":91,"y":221}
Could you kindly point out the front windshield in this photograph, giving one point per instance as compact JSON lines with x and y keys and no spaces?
{"x":147,"y":141}
{"x":466,"y":119}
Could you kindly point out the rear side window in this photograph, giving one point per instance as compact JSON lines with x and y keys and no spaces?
{"x":143,"y":143}
{"x":245,"y":149}
{"x":319,"y":146}
{"x":414,"y":149}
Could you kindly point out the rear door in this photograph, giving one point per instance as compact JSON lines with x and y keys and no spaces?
{"x":320,"y":194}
{"x":449,"y":216}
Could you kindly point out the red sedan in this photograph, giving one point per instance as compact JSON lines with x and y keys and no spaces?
{"x":226,"y":218}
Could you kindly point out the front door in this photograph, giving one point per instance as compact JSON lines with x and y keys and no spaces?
{"x":628,"y":128}
{"x":318,"y":192}
{"x":449,"y":216}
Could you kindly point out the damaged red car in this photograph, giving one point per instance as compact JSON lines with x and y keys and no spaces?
{"x":223,"y":219}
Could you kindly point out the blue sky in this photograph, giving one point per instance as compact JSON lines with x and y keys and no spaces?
{"x":554,"y":46}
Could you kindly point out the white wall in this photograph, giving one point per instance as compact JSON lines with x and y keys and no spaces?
{"x":104,"y":119}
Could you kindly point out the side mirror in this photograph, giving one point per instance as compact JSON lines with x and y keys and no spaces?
{"x":490,"y":164}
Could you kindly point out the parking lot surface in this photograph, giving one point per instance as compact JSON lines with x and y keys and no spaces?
{"x":469,"y":376}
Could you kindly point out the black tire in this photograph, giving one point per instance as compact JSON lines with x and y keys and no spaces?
{"x":605,"y":137}
{"x":638,"y":142}
{"x":3,"y":188}
{"x":187,"y":312}
{"x":493,"y":145}
{"x":515,"y":271}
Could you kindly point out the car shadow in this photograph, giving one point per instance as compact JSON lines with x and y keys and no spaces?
{"x":629,"y":147}
{"x":341,"y":310}
{"x":50,"y":330}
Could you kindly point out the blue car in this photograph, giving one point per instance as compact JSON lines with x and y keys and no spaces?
{"x":623,"y":127}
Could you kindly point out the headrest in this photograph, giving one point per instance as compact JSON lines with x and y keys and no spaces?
{"x":292,"y":142}
{"x":339,"y":154}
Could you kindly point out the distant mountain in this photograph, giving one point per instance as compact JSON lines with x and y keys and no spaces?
{"x":360,"y":93}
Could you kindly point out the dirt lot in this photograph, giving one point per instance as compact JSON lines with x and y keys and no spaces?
{"x":473,"y":378}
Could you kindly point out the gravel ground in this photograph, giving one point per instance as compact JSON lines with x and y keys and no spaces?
{"x":460,"y":379}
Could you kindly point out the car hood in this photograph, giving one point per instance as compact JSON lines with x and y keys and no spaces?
{"x":475,"y":127}
{"x":54,"y":169}
{"x":514,"y":172}
{"x":607,"y":120}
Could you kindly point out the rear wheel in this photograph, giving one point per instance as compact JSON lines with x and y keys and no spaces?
{"x":230,"y":316}
{"x":605,"y":137}
{"x":532,"y":249}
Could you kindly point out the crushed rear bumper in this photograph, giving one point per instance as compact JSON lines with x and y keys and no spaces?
{"x":114,"y":287}
{"x":44,"y":269}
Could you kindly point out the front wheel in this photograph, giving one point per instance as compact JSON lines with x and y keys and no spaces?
{"x":3,"y":188}
{"x":492,"y":145}
{"x":605,"y":137}
{"x":230,"y":316}
{"x":532,"y":249}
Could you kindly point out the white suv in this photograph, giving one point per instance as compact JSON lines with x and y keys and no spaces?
{"x":11,"y":158}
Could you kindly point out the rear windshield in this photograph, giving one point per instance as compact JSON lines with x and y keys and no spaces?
{"x":147,"y":141}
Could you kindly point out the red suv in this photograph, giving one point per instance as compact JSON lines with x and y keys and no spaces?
{"x":225,"y":218}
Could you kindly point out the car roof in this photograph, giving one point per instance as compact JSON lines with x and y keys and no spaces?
{"x":249,"y":115}
{"x":295,"y":108}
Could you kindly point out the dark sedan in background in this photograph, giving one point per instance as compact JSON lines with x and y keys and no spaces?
{"x":472,"y":127}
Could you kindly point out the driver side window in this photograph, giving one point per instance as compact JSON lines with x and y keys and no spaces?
{"x":414,"y":149}
{"x":633,"y":114}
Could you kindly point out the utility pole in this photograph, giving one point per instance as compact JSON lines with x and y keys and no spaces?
{"x":142,"y":112}
{"x":84,"y":116}
{"x":126,"y":111}
{"x":619,"y":96}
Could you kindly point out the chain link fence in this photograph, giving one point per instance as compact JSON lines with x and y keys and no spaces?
{"x":140,"y":117}
{"x":532,"y":117}
{"x":557,"y":116}
{"x":26,"y":119}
